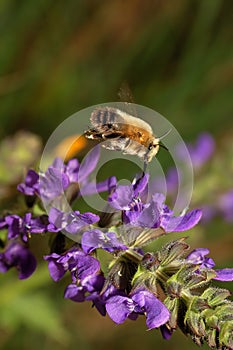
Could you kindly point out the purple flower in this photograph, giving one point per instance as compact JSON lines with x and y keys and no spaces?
{"x":198,"y":257}
{"x":31,"y":185}
{"x":152,"y":214}
{"x":95,"y":238}
{"x":75,"y":293}
{"x":71,"y":221}
{"x":22,"y":227}
{"x":17,"y":255}
{"x":119,"y":308}
{"x":76,"y":261}
{"x":200,"y":152}
{"x":225,"y":204}
{"x":54,"y":181}
{"x":224,"y":275}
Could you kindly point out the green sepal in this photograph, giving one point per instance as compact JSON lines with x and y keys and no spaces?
{"x":215,"y":296}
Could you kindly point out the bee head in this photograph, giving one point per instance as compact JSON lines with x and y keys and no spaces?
{"x":152,"y":150}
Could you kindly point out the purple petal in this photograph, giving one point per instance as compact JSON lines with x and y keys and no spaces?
{"x":156,"y":312}
{"x":75,"y":293}
{"x":224,"y":275}
{"x":17,"y":255}
{"x":94,"y":239}
{"x":182,"y":223}
{"x":141,"y":184}
{"x":199,"y":152}
{"x":198,"y":257}
{"x":225,"y":204}
{"x":150,"y":216}
{"x":53,"y":183}
{"x":93,"y":187}
{"x":166,"y":333}
{"x":14,"y":223}
{"x":119,"y":308}
{"x":71,"y":221}
{"x":89,"y":164}
{"x":87,"y":266}
{"x":56,"y":269}
{"x":72,"y":169}
{"x":31,"y":185}
{"x":121,"y":197}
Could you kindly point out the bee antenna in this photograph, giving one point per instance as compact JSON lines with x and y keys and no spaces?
{"x":165,"y":134}
{"x":163,"y":146}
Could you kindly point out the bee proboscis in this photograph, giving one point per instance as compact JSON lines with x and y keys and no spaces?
{"x":123,"y":132}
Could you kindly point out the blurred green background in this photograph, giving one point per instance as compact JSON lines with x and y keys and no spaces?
{"x":58,"y":57}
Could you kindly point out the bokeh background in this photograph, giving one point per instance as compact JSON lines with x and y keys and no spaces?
{"x":58,"y":57}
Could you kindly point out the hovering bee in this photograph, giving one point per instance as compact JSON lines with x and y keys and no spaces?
{"x":123,"y":132}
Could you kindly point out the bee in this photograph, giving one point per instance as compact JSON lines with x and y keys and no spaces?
{"x":123,"y":132}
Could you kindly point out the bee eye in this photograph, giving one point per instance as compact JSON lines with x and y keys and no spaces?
{"x":150,"y":146}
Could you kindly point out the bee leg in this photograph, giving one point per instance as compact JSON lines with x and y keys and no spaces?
{"x":93,"y":134}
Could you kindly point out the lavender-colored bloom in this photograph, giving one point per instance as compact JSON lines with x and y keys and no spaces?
{"x":95,"y":238}
{"x":31,"y":185}
{"x":81,"y":265}
{"x":200,"y":152}
{"x":90,"y":188}
{"x":126,"y":197}
{"x":22,"y":227}
{"x":120,"y":307}
{"x":122,"y":197}
{"x":54,"y":181}
{"x":225,"y":204}
{"x":17,"y":255}
{"x":181,"y":223}
{"x":71,"y":221}
{"x":75,"y":293}
{"x":152,"y":214}
{"x":198,"y":257}
{"x":156,"y":312}
{"x":224,"y":275}
{"x":56,"y":268}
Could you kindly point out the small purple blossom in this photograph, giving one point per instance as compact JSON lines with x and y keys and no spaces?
{"x":198,"y":257}
{"x":23,"y":227}
{"x":54,"y":181}
{"x":224,"y":275}
{"x":225,"y":205}
{"x":17,"y":255}
{"x":71,"y":222}
{"x":31,"y":185}
{"x":152,"y":214}
{"x":200,"y":152}
{"x":76,"y":261}
{"x":95,"y":238}
{"x":119,"y":308}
